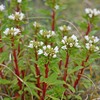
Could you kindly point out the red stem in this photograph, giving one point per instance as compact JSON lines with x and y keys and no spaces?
{"x":16,"y":64}
{"x":88,"y":28}
{"x":81,"y":72}
{"x":45,"y":84}
{"x":53,"y":20}
{"x":1,"y":49}
{"x":37,"y":73}
{"x":66,"y":66}
{"x":60,"y":64}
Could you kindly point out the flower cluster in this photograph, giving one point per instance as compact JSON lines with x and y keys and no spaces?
{"x":2,"y":7}
{"x":17,"y":16}
{"x":69,"y":42}
{"x":65,"y":28}
{"x":19,"y":1}
{"x":47,"y":34}
{"x":90,"y":43}
{"x":12,"y":31}
{"x":92,"y":12}
{"x":48,"y":51}
{"x":36,"y":25}
{"x":35,"y":44}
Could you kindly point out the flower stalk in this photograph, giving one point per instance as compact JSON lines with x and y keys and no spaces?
{"x":80,"y":72}
{"x":53,"y":20}
{"x":16,"y":64}
{"x":66,"y":66}
{"x":37,"y":73}
{"x":45,"y":84}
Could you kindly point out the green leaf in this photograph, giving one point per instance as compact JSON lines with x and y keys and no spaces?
{"x":53,"y":98}
{"x":7,"y":99}
{"x":4,"y":81}
{"x":71,"y":88}
{"x":77,"y":68}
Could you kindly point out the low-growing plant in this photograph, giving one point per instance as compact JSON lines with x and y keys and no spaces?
{"x":45,"y":62}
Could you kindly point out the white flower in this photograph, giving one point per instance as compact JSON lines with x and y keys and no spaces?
{"x":48,"y":46}
{"x":63,"y":41}
{"x":12,"y":17}
{"x":65,"y":28}
{"x":48,"y":36}
{"x":35,"y":24}
{"x":21,"y":16}
{"x":6,"y":32}
{"x":92,"y":12}
{"x":61,"y":28}
{"x":41,"y":43}
{"x":64,"y":47}
{"x":96,"y":48}
{"x":54,"y":56}
{"x":96,"y":39}
{"x":53,"y":33}
{"x":19,"y":1}
{"x":16,"y":31}
{"x":77,"y":45}
{"x":2,"y":7}
{"x":90,"y":41}
{"x":68,"y":28}
{"x":88,"y":45}
{"x":41,"y":32}
{"x":90,"y":15}
{"x":30,"y":45}
{"x":17,"y":16}
{"x":56,"y":49}
{"x":65,"y":37}
{"x":45,"y":54}
{"x":56,"y":7}
{"x":87,"y":10}
{"x":71,"y":44}
{"x":86,"y":38}
{"x":44,"y":47}
{"x":12,"y":31}
{"x":74,"y":37}
{"x":40,"y":51}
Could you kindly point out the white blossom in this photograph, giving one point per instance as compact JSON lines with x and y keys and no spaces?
{"x":11,"y":17}
{"x":56,"y":7}
{"x":19,"y":1}
{"x":35,"y":44}
{"x":69,"y":28}
{"x":71,"y":41}
{"x":40,"y":51}
{"x":92,"y":12}
{"x":47,"y":34}
{"x":56,"y":49}
{"x":48,"y":46}
{"x":64,"y":47}
{"x":61,"y":28}
{"x":96,"y":39}
{"x":71,"y":44}
{"x":44,"y":47}
{"x":88,"y":45}
{"x":30,"y":45}
{"x":65,"y":37}
{"x":96,"y":48}
{"x":2,"y":7}
{"x":49,"y":51}
{"x":54,"y":56}
{"x":64,"y":28}
{"x":12,"y":31}
{"x":74,"y":37}
{"x":17,"y":16}
{"x":86,"y":37}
